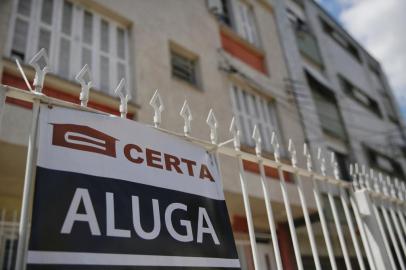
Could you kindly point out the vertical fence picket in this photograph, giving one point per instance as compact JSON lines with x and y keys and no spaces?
{"x":286,"y":201}
{"x":334,"y":211}
{"x":335,"y":214}
{"x":251,"y":230}
{"x":319,"y":205}
{"x":350,"y":222}
{"x":2,"y":104}
{"x":265,"y":189}
{"x":344,"y":203}
{"x":10,"y":254}
{"x":303,"y":203}
{"x":381,"y":227}
{"x":2,"y":225}
{"x":389,"y":227}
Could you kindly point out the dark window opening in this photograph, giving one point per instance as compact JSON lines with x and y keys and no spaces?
{"x":384,"y":164}
{"x":340,"y":39}
{"x":360,"y":96}
{"x":327,"y":109}
{"x":184,"y":68}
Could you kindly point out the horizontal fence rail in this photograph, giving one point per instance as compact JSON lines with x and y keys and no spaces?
{"x":366,"y":212}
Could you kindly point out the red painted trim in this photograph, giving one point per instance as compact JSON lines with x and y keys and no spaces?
{"x":286,"y":247}
{"x":269,"y":171}
{"x":19,"y":102}
{"x":17,"y":82}
{"x":243,"y":52}
{"x":240,"y":224}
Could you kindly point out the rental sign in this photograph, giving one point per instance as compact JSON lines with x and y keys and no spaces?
{"x":115,"y":194}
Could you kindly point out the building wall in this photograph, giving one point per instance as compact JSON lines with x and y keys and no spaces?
{"x":362,"y":126}
{"x":153,"y":27}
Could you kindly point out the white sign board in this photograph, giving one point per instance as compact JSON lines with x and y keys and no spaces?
{"x":111,"y":193}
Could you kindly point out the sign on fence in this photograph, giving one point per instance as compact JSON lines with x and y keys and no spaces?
{"x":112,"y":193}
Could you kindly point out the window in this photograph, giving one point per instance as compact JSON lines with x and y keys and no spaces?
{"x":389,"y":106}
{"x":306,"y":41}
{"x":73,"y":37}
{"x":384,"y":164}
{"x":251,"y":110}
{"x":340,"y":39}
{"x":238,"y":15}
{"x":184,"y":65}
{"x":360,"y":96}
{"x":327,"y":109}
{"x":343,"y":165}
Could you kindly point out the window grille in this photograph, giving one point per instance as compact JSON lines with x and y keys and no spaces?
{"x":184,"y":68}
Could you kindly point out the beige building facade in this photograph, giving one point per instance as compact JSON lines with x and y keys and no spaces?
{"x":186,"y":49}
{"x":232,"y":56}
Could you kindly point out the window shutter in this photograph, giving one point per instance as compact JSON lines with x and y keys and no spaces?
{"x":104,"y":74}
{"x":44,"y":40}
{"x":88,"y":28}
{"x":120,"y":72}
{"x":20,"y":38}
{"x":64,"y":58}
{"x":120,"y":43}
{"x":215,"y":6}
{"x":252,"y":110}
{"x":67,"y":13}
{"x":47,"y":10}
{"x":104,"y":36}
{"x":87,"y":57}
{"x":24,"y":7}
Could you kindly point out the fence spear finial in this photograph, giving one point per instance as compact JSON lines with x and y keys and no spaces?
{"x":370,"y":183}
{"x":256,"y":136}
{"x":354,"y":176}
{"x":391,"y":186}
{"x":213,"y":124}
{"x":85,"y":79}
{"x":322,"y":161}
{"x":187,"y":117}
{"x":40,"y":63}
{"x":276,"y":146}
{"x":334,"y":165}
{"x":382,"y":183}
{"x":235,"y":131}
{"x":403,"y":188}
{"x":364,"y":177}
{"x":306,"y":153}
{"x":124,"y":95}
{"x":158,"y":106}
{"x":397,"y":190}
{"x":293,"y":154}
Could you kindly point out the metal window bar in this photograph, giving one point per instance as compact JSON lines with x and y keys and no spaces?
{"x":391,"y":205}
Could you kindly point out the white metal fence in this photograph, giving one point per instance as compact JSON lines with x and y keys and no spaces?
{"x":369,"y":211}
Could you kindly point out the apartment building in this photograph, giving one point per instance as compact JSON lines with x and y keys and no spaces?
{"x":224,"y":55}
{"x":285,"y":66}
{"x":343,"y":94}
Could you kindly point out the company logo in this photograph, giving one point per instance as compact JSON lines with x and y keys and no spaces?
{"x":83,"y":138}
{"x":91,"y":140}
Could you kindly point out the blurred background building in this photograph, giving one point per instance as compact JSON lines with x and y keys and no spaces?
{"x":285,"y":66}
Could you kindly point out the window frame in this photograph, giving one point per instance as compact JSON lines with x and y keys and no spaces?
{"x":76,"y":42}
{"x":360,"y":96}
{"x":373,"y":156}
{"x":266,"y":111}
{"x":246,"y":28}
{"x":340,"y":39}
{"x":192,"y":58}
